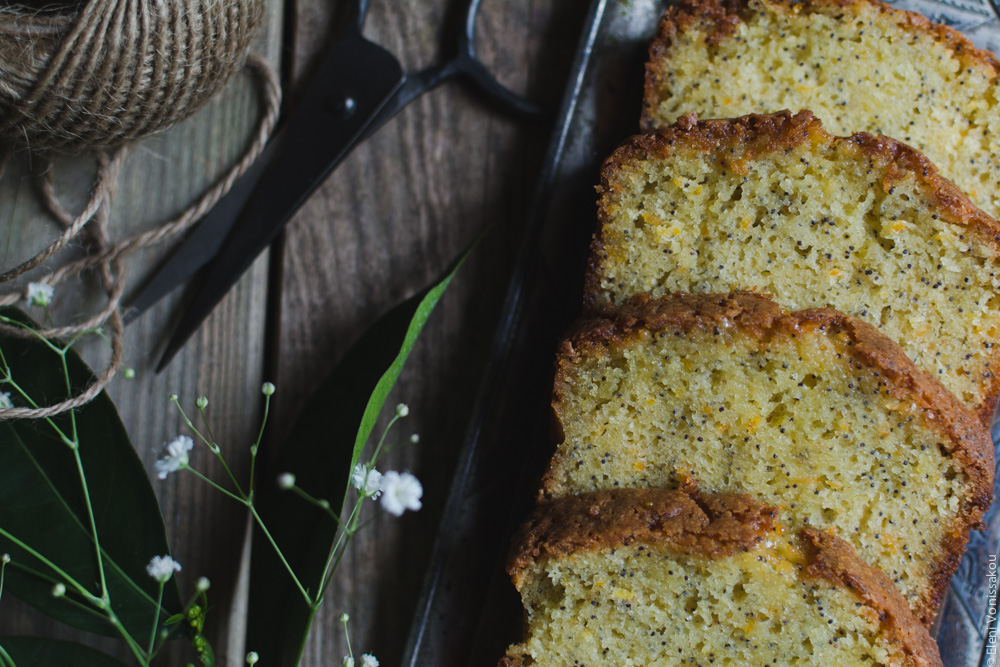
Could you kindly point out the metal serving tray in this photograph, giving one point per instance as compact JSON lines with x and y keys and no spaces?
{"x":469,"y":612}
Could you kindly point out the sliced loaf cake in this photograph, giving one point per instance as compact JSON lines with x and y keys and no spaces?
{"x":774,"y":203}
{"x":654,"y":577}
{"x":857,"y":64}
{"x":813,"y":412}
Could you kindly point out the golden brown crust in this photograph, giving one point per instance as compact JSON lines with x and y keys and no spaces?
{"x":711,"y":526}
{"x":721,"y":18}
{"x":714,"y":526}
{"x":735,"y":143}
{"x":834,"y":560}
{"x":759,"y":317}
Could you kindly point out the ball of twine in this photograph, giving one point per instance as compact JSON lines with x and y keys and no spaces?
{"x":105,"y":72}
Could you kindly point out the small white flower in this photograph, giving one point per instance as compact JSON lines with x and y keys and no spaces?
{"x":40,"y":294}
{"x":5,"y":401}
{"x":402,"y":410}
{"x":368,"y":660}
{"x":286,"y":480}
{"x":203,"y":584}
{"x":415,"y":438}
{"x":5,"y":559}
{"x":177,"y":456}
{"x":162,"y":568}
{"x":347,"y":661}
{"x":58,"y":590}
{"x":367,"y":482}
{"x":401,"y":492}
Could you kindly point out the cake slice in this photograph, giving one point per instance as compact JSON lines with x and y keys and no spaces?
{"x":859,"y":65}
{"x":813,"y":412}
{"x":774,"y":203}
{"x":653,"y":577}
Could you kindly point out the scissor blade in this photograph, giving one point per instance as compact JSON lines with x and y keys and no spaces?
{"x":355,"y":81}
{"x":204,"y":242}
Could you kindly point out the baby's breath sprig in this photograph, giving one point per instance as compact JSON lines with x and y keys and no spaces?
{"x":367,"y":659}
{"x":399,"y":491}
{"x":178,"y":458}
{"x":66,"y":587}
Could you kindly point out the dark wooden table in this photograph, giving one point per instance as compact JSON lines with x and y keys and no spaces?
{"x":386,"y":223}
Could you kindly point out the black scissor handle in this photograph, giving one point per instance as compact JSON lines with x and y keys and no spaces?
{"x":356,"y":19}
{"x":466,"y":63}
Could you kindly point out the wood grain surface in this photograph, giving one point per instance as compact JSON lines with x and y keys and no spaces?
{"x":393,"y":215}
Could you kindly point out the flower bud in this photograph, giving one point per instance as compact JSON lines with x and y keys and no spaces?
{"x":202,"y":402}
{"x":286,"y":480}
{"x":402,"y":410}
{"x":415,"y":438}
{"x":345,"y":617}
{"x":203,"y":584}
{"x":58,"y":590}
{"x":252,"y":658}
{"x":267,"y":389}
{"x":173,"y":398}
{"x":129,"y":373}
{"x":5,"y":559}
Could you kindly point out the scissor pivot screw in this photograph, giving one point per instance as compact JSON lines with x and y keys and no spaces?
{"x":341,"y":106}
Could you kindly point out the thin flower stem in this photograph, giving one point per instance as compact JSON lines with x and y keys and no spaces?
{"x":90,"y":597}
{"x":29,"y":329}
{"x":256,"y":445}
{"x":212,"y":446}
{"x":381,"y":441}
{"x":345,"y":534}
{"x":364,"y":523}
{"x":133,"y":646}
{"x":208,"y":427}
{"x":72,"y":341}
{"x":232,"y":477}
{"x":188,"y":421}
{"x":69,"y":392}
{"x":105,"y":593}
{"x":62,"y":436}
{"x":347,"y":635}
{"x":240,"y":500}
{"x":82,"y":607}
{"x":277,"y":550}
{"x":322,"y":504}
{"x":156,"y":619}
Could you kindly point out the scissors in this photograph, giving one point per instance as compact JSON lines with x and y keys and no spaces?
{"x":358,"y":88}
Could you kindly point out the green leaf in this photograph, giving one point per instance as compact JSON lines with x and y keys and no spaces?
{"x":38,"y":652}
{"x":42,"y":504}
{"x":321,"y":450}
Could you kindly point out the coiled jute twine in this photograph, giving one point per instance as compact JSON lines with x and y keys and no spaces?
{"x":95,"y":76}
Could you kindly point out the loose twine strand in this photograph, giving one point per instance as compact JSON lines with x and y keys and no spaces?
{"x":106,"y":257}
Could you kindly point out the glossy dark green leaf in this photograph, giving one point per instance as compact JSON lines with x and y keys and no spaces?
{"x":325,"y":442}
{"x":42,"y":502}
{"x":37,"y":652}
